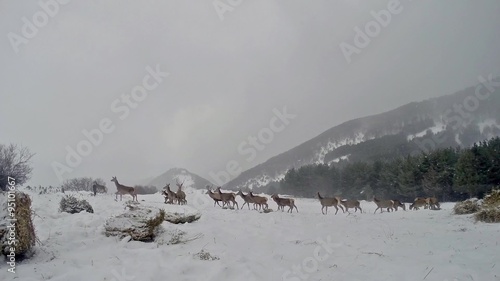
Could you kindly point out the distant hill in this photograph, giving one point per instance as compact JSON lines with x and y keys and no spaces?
{"x":182,"y":175}
{"x":459,"y":119}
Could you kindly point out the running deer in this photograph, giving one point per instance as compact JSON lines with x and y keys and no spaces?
{"x":328,"y":202}
{"x":383,"y":204}
{"x":122,"y":189}
{"x":227,"y":197}
{"x":260,"y":201}
{"x":282,"y":202}
{"x":181,"y":196}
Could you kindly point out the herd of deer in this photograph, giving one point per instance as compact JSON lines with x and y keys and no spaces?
{"x":390,"y":205}
{"x":260,"y":202}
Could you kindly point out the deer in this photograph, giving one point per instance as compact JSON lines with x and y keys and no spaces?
{"x":261,"y":201}
{"x":122,"y":189}
{"x":282,"y":202}
{"x":98,"y":188}
{"x":351,"y":204}
{"x":245,"y":198}
{"x":227,"y":197}
{"x":398,"y":204}
{"x":181,"y":196}
{"x":214,"y":196}
{"x":328,"y":202}
{"x":172,"y":197}
{"x":419,"y":202}
{"x":383,"y":204}
{"x":433,"y":203}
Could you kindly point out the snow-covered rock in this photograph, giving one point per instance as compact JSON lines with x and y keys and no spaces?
{"x":139,"y":222}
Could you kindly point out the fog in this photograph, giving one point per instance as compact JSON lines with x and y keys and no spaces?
{"x":208,"y":75}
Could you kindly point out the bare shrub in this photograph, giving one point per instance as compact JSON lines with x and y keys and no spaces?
{"x":466,"y":207}
{"x":489,"y":215}
{"x":70,"y":204}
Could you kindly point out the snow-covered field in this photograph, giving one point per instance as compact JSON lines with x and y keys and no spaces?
{"x":403,"y":245}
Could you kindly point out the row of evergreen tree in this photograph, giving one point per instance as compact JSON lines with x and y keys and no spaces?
{"x":449,"y":174}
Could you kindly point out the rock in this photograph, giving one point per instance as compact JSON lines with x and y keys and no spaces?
{"x":70,"y":204}
{"x":140,"y":223}
{"x":23,"y":232}
{"x":178,"y":213}
{"x":181,"y":218}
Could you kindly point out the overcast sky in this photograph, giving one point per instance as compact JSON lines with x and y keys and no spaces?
{"x":227,"y":70}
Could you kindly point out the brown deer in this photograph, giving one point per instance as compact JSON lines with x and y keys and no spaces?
{"x":433,"y":203}
{"x":227,"y":197}
{"x":282,"y":202}
{"x":245,"y":198}
{"x":383,"y":204}
{"x":260,"y":201}
{"x":419,"y":202}
{"x":172,"y":197}
{"x":122,"y":189}
{"x":214,"y":196}
{"x":181,"y":196}
{"x":351,"y":204}
{"x":328,"y":202}
{"x":398,"y":204}
{"x":97,"y":188}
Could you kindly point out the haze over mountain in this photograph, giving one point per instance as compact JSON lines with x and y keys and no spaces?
{"x":225,"y":77}
{"x":180,"y":175}
{"x":459,"y":119}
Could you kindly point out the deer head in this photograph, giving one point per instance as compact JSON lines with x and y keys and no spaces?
{"x":179,"y":185}
{"x":113,"y":179}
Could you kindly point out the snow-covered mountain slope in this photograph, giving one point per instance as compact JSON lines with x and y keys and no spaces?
{"x":461,"y":118}
{"x":249,"y":246}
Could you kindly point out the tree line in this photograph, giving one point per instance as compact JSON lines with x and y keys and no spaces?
{"x":449,"y":174}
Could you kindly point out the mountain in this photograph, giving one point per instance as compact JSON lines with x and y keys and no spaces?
{"x":182,"y":175}
{"x":459,"y":119}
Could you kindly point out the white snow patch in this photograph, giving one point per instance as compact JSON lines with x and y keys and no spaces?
{"x":255,"y":246}
{"x":487,"y":123}
{"x":336,"y":160}
{"x":457,"y":139}
{"x":331,"y":145}
{"x":438,"y":127}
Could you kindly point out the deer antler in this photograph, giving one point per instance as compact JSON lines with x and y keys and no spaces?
{"x":179,"y":184}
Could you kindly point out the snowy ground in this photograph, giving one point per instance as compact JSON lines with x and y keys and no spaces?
{"x":411,"y":245}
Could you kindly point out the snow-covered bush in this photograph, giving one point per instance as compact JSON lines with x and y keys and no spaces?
{"x":488,"y":214}
{"x":492,"y":199}
{"x":70,"y":204}
{"x":469,"y":206}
